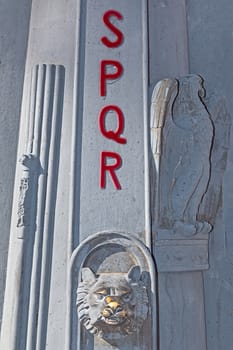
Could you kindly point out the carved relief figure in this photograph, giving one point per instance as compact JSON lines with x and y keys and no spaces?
{"x":24,"y":185}
{"x":184,"y":167}
{"x":30,"y":166}
{"x":112,"y":305}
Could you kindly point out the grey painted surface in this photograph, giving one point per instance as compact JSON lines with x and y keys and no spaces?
{"x":182,"y":317}
{"x":210,"y":53}
{"x":14,"y":21}
{"x":167,"y":39}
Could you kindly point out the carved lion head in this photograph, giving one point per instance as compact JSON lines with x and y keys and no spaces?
{"x":115,"y":304}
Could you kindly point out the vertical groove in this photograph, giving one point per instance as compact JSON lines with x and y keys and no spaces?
{"x":76,"y":126}
{"x":39,"y":98}
{"x":187,"y":38}
{"x":19,"y":328}
{"x":148,"y":229}
{"x":47,"y":242}
{"x":38,"y":132}
{"x":46,"y":109}
{"x":35,"y":119}
{"x":32,"y":107}
{"x":146,"y":124}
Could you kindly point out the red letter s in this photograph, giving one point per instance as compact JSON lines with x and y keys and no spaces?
{"x":115,"y":30}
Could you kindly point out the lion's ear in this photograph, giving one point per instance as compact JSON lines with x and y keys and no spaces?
{"x":134,"y":273}
{"x":88,"y":275}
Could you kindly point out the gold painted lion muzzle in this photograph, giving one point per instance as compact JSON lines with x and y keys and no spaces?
{"x":114,"y":313}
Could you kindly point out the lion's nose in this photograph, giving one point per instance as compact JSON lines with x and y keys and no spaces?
{"x":112,"y":300}
{"x":113,"y":303}
{"x":115,"y":306}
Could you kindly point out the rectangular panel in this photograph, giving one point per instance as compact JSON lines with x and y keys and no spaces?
{"x":121,"y":105}
{"x":112,"y":112}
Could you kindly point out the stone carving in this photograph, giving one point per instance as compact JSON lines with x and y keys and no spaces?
{"x":23,"y":189}
{"x":119,"y":264}
{"x":30,"y":165}
{"x":181,"y":137}
{"x":221,"y":118}
{"x":36,"y":209}
{"x":112,"y":305}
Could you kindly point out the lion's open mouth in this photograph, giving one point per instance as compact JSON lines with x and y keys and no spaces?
{"x":113,"y":320}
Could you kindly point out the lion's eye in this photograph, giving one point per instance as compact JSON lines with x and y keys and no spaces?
{"x":100,"y":295}
{"x":126,"y":296}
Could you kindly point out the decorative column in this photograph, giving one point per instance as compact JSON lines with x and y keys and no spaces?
{"x":24,"y":325}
